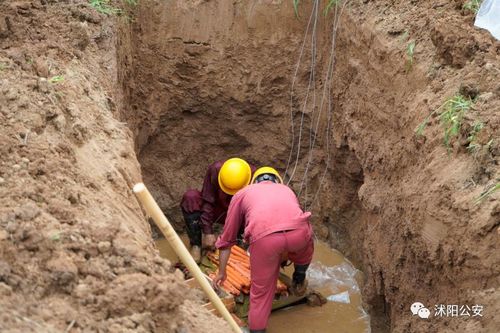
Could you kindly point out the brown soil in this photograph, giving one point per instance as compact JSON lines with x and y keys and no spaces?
{"x":173,"y":85}
{"x":75,"y":251}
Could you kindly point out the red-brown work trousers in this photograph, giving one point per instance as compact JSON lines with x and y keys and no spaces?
{"x":265,"y":258}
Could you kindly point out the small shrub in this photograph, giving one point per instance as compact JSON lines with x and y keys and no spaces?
{"x":474,"y":146}
{"x":488,"y":192}
{"x":296,"y":7}
{"x":472,"y":5}
{"x":56,"y":79}
{"x":329,"y":6}
{"x":451,"y":115}
{"x":104,"y":7}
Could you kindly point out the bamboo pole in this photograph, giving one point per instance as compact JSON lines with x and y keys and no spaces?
{"x":153,"y":210}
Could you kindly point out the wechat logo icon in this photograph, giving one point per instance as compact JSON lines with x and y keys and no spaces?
{"x":420,"y":310}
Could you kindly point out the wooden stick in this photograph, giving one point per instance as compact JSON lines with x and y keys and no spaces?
{"x":153,"y":210}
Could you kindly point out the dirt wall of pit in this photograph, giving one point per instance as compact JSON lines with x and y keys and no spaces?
{"x":205,"y":80}
{"x":76,"y":254}
{"x":423,"y":234}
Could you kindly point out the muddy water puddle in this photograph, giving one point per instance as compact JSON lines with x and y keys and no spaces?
{"x":166,"y":250}
{"x":335,"y":277}
{"x":332,"y":275}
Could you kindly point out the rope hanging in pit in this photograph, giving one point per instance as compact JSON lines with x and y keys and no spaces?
{"x":316,"y":111}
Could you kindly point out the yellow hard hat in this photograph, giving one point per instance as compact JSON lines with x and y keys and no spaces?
{"x":234,"y":174}
{"x":266,"y":170}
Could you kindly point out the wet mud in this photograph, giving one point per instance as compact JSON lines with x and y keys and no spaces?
{"x":335,"y":316}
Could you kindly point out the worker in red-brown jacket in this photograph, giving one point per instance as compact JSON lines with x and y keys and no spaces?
{"x":275,"y":225}
{"x":202,"y":210}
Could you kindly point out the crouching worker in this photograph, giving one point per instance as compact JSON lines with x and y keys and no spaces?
{"x":274,"y":225}
{"x":222,"y":180}
{"x":202,"y":210}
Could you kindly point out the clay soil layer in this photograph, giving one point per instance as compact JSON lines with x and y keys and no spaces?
{"x":92,"y":103}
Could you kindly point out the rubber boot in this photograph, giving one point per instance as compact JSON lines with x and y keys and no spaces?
{"x":299,"y":282}
{"x":257,"y":331}
{"x":194,"y":233}
{"x":193,"y":227}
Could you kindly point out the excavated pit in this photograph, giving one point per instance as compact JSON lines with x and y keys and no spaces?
{"x":204,"y":81}
{"x":90,"y":100}
{"x":198,"y":93}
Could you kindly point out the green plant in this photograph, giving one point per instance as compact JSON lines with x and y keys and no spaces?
{"x":472,"y":5}
{"x":410,"y":51}
{"x":451,"y":117}
{"x":55,"y":237}
{"x":329,"y":6}
{"x":105,"y":7}
{"x":2,"y":66}
{"x":56,"y":79}
{"x":404,"y":36}
{"x":488,"y":192}
{"x":419,"y":131}
{"x":296,"y":7}
{"x":474,"y":146}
